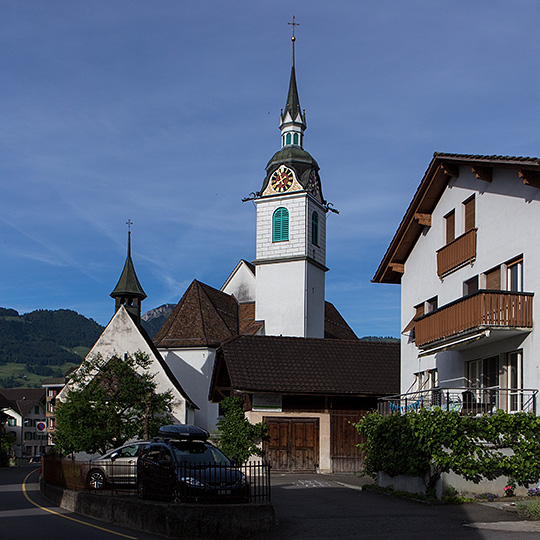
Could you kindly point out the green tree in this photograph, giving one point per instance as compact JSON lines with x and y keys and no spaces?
{"x":6,"y":443}
{"x":110,"y":402}
{"x":238,"y":438}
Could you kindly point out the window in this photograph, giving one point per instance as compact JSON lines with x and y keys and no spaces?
{"x":514,"y":275}
{"x":469,"y":211}
{"x":450,"y":223}
{"x":288,"y":138}
{"x":470,"y":286}
{"x":493,"y":279}
{"x":11,"y":421}
{"x":497,"y":382}
{"x":315,"y":228}
{"x":36,"y":409}
{"x":427,"y":380}
{"x":431,"y":304}
{"x":296,"y":138}
{"x":280,"y":225}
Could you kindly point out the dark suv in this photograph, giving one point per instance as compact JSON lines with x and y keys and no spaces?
{"x":184,"y":467}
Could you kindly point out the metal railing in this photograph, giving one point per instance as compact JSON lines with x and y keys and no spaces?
{"x":465,"y":401}
{"x":202,"y":483}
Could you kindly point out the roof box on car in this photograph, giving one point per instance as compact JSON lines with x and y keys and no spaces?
{"x":183,"y":431}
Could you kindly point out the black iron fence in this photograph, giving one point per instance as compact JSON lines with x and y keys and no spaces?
{"x":182,"y":483}
{"x":466,"y":401}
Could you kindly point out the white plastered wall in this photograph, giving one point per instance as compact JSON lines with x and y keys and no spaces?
{"x":122,"y":336}
{"x":194,"y":367}
{"x":508,"y":221}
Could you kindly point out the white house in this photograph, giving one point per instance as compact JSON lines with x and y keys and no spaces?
{"x":23,"y":411}
{"x":466,"y":255}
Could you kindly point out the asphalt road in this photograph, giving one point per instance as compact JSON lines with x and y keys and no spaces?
{"x":26,"y":515}
{"x":307,"y":506}
{"x":318,"y":507}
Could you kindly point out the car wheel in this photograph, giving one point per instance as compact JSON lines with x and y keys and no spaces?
{"x":96,"y":479}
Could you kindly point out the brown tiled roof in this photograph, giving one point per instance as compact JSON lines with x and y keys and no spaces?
{"x":23,"y":399}
{"x":427,"y":196}
{"x":207,"y":317}
{"x":248,"y":324}
{"x":288,"y":365}
{"x":335,"y":326}
{"x":203,"y":317}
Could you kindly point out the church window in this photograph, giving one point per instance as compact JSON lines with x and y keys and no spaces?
{"x":280,"y":225}
{"x":288,"y":138}
{"x":315,"y":228}
{"x":296,"y":138}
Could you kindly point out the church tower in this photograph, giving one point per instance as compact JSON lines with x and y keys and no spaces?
{"x":128,"y":291}
{"x":291,"y":232}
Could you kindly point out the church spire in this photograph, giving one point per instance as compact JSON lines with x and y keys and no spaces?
{"x":128,"y":291}
{"x":292,"y":119}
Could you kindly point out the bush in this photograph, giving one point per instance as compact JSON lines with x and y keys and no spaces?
{"x":430,"y":442}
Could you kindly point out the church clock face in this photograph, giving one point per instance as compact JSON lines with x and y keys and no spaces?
{"x":282,"y":179}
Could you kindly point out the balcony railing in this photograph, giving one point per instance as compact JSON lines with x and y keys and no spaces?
{"x":465,"y":401}
{"x":457,"y":253}
{"x":481,"y":309}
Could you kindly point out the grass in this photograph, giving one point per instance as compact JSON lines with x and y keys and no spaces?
{"x":529,"y":509}
{"x":25,"y":379}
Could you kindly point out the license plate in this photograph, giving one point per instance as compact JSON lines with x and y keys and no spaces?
{"x":224,"y":492}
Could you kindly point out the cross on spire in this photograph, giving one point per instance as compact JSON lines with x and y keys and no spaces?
{"x":129,"y":223}
{"x":293,"y":23}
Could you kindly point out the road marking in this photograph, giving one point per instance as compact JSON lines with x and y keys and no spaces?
{"x":312,"y":484}
{"x":25,"y":493}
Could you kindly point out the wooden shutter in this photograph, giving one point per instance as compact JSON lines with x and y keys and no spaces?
{"x":469,"y":205}
{"x":493,"y":279}
{"x":450,"y":220}
{"x":280,"y":225}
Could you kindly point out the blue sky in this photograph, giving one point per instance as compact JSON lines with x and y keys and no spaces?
{"x":166,"y":112}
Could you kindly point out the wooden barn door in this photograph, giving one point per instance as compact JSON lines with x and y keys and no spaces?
{"x":345,"y":454}
{"x":292,"y":444}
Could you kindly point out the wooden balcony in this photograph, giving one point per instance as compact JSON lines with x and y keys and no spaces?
{"x":460,"y":251}
{"x":483,"y":309}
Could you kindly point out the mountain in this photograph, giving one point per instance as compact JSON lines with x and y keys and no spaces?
{"x":42,"y":344}
{"x":153,"y":319}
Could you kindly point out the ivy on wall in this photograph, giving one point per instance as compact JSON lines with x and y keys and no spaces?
{"x":430,"y":442}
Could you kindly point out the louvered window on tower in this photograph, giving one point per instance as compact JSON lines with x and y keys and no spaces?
{"x":280,"y":225}
{"x":315,"y":228}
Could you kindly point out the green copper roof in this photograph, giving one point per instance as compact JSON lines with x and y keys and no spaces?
{"x":128,"y":285}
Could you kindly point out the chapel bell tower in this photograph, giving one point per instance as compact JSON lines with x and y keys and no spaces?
{"x":291,"y":232}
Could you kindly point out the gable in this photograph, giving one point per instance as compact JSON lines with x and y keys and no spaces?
{"x":442,"y":168}
{"x":123,"y":336}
